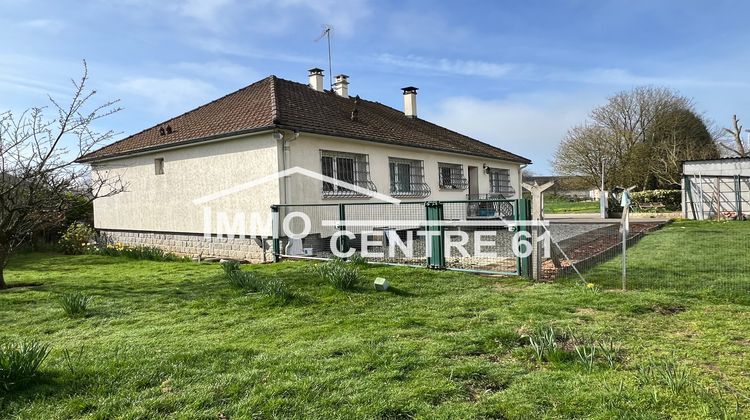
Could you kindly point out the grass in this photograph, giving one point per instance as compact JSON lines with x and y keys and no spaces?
{"x":557,"y":205}
{"x":696,"y":259}
{"x":173,"y":339}
{"x":75,"y":304}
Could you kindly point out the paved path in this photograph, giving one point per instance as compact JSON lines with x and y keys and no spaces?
{"x":594,"y":218}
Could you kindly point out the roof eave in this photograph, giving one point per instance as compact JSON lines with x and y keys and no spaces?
{"x":520,"y":160}
{"x":184,"y":143}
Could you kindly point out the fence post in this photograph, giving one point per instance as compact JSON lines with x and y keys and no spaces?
{"x":689,"y":191}
{"x":524,"y":215}
{"x":275,"y":234}
{"x":436,"y":256}
{"x":343,"y":240}
{"x":738,"y":196}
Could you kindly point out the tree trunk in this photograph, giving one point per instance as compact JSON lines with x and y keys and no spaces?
{"x":3,"y":261}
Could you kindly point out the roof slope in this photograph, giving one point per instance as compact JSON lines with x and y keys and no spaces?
{"x":274,"y":102}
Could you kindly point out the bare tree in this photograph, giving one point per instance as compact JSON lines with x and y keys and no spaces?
{"x":38,"y":171}
{"x":618,"y":134}
{"x":732,"y":141}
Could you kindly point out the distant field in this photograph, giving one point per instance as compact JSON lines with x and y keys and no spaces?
{"x":557,"y":205}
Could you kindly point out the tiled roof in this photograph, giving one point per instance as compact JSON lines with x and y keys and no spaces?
{"x":278,"y":103}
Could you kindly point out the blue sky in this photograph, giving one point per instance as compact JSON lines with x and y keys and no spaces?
{"x":513,"y":74}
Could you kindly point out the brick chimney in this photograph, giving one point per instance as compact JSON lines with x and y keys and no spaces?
{"x":316,"y":79}
{"x":341,"y":87}
{"x":410,"y":101}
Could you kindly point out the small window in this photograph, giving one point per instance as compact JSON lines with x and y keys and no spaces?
{"x":407,"y":178}
{"x":159,"y":166}
{"x":500,"y":182}
{"x":351,"y":168}
{"x":451,"y":177}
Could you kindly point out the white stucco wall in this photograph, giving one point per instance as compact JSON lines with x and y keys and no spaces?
{"x":305,"y":152}
{"x":729,"y":167}
{"x":163,"y":203}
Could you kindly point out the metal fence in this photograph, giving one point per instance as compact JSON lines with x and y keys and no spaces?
{"x":577,"y":246}
{"x":692,"y":258}
{"x":472,"y":235}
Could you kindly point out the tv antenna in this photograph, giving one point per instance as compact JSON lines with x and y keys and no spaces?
{"x":327,"y":33}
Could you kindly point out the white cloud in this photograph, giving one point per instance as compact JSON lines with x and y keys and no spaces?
{"x":49,"y":25}
{"x":443,"y":65}
{"x":220,"y":70}
{"x":169,"y":95}
{"x":206,"y":11}
{"x":618,"y":76}
{"x":530,"y":125}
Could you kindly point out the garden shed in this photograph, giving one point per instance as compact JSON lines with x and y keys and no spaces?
{"x":716,"y":188}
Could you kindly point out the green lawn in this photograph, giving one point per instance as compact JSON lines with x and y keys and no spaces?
{"x":556,"y":205}
{"x":173,"y":340}
{"x":697,"y":259}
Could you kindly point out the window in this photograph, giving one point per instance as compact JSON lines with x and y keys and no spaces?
{"x":452,"y":177}
{"x":407,"y":178}
{"x":500,"y":182}
{"x":351,"y":168}
{"x":159,"y":166}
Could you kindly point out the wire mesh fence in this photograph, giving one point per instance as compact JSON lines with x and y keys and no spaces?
{"x":483,"y":236}
{"x":582,"y":245}
{"x":704,"y":258}
{"x":475,"y":235}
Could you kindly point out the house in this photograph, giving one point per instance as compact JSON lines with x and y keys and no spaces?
{"x":271,"y":126}
{"x":716,"y":188}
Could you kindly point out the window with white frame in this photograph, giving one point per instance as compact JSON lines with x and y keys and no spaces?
{"x":500,"y":182}
{"x":407,"y":178}
{"x":352,"y":168}
{"x":451,"y":177}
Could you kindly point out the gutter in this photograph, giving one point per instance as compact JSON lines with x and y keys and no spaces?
{"x":177,"y":145}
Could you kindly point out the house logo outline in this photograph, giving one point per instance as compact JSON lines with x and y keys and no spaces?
{"x":292,"y":171}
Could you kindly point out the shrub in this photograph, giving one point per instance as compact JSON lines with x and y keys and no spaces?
{"x":136,"y":252}
{"x":358,"y":260}
{"x":338,"y":273}
{"x":77,"y":239}
{"x":543,"y":341}
{"x":19,"y":364}
{"x":242,"y":280}
{"x":230,"y":266}
{"x":672,"y":199}
{"x":75,"y":304}
{"x":277,"y":288}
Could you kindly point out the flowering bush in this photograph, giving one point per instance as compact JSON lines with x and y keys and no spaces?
{"x":139,"y":252}
{"x":77,"y":239}
{"x":671,"y":199}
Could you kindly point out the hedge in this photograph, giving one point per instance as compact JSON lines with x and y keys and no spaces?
{"x":671,"y":199}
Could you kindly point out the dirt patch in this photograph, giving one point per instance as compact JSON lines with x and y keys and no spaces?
{"x":659,"y":308}
{"x":586,"y":311}
{"x":477,"y":388}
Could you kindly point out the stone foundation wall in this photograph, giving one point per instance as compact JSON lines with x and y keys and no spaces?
{"x":195,"y":244}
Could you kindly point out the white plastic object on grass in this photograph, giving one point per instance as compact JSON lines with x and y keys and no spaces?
{"x":381,"y":284}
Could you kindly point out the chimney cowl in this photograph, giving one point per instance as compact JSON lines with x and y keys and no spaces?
{"x":410,"y":101}
{"x":342,"y":85}
{"x":316,"y":79}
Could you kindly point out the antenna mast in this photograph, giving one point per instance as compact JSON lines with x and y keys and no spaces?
{"x":327,"y":33}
